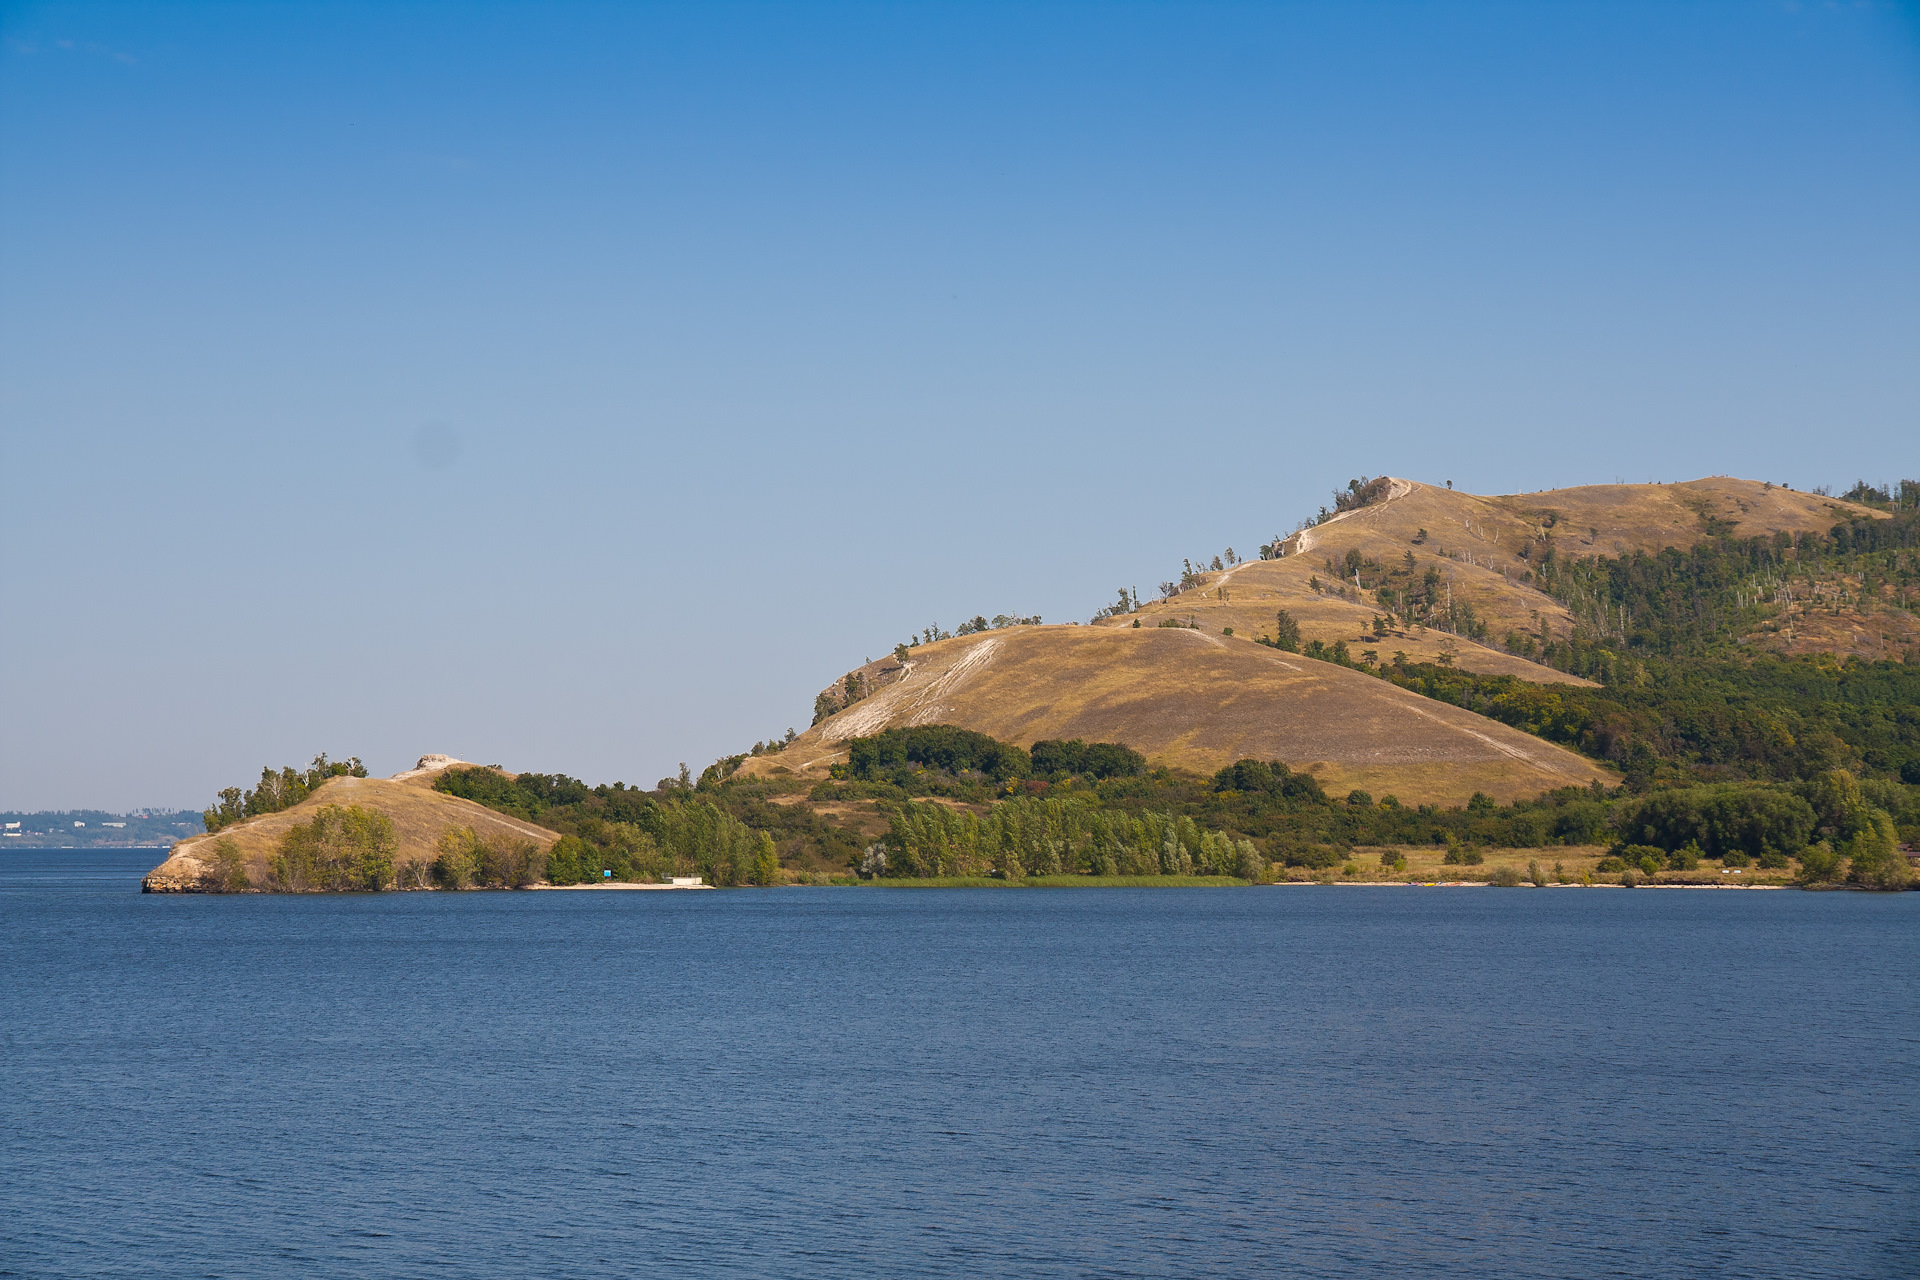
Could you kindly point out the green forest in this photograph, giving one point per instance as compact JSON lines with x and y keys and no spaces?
{"x":637,"y":835}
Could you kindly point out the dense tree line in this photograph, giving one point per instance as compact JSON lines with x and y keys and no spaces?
{"x":942,"y":759}
{"x":1050,"y":837}
{"x":637,"y":835}
{"x":1834,"y":825}
{"x":277,"y":790}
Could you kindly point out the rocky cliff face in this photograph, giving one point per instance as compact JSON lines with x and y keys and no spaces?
{"x":180,"y":873}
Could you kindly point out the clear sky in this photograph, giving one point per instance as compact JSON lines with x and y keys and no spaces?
{"x":582,"y":387}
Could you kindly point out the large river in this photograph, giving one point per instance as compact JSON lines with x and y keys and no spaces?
{"x":883,"y":1083}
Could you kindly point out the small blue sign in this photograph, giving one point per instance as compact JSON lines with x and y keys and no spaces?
{"x":607,"y":875}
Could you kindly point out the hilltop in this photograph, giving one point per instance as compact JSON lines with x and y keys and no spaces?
{"x":1481,"y":560}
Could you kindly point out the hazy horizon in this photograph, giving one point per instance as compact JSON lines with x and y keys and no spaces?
{"x":582,"y":388}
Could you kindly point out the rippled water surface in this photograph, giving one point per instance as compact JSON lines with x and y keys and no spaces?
{"x":881,"y":1083}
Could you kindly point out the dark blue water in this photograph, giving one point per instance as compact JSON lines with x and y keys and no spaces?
{"x":881,"y":1083}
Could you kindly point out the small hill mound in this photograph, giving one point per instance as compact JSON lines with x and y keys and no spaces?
{"x":420,"y":815}
{"x":1476,"y":552}
{"x":1197,"y":701}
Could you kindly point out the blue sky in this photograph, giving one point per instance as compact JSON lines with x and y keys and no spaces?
{"x":582,"y":387}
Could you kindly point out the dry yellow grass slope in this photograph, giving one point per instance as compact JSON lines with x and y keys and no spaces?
{"x":1483,"y":548}
{"x":420,"y":815}
{"x":1197,"y":701}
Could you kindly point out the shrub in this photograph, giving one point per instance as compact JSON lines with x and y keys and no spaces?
{"x":1650,"y":865}
{"x":1685,"y":858}
{"x":228,"y":871}
{"x":1359,"y":800}
{"x":1535,"y":874}
{"x":1505,"y":878}
{"x":1771,"y":860}
{"x":1819,"y":864}
{"x":766,"y":861}
{"x":341,"y":849}
{"x":1735,"y":858}
{"x":463,"y":858}
{"x":1628,"y":879}
{"x":1317,"y":857}
{"x":1607,"y":866}
{"x":1087,"y":759}
{"x":1874,"y":860}
{"x":1272,"y":778}
{"x":453,"y":858}
{"x":574,"y":861}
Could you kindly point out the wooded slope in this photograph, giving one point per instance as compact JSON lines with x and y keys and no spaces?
{"x":1484,"y":550}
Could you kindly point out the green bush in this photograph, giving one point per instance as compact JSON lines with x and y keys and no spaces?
{"x":766,"y":861}
{"x":342,"y":849}
{"x":1685,"y":858}
{"x":1874,"y":859}
{"x":1505,"y":878}
{"x":1270,"y":780}
{"x":464,"y":859}
{"x":1819,"y":864}
{"x":228,"y":872}
{"x":1087,"y":759}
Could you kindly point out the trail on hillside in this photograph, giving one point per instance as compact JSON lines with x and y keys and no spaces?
{"x":1396,"y":488}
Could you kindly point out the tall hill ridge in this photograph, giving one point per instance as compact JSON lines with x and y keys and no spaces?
{"x":1182,"y":680}
{"x":1485,"y":556}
